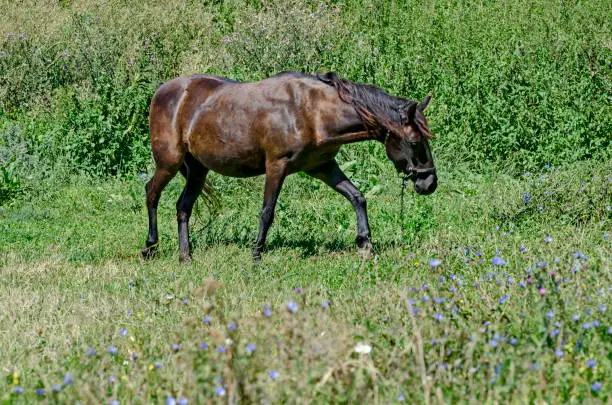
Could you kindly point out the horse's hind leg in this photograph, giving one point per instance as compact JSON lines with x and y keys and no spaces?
{"x":154,"y":188}
{"x":195,"y":175}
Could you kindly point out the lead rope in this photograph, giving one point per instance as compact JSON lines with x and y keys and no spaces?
{"x":404,"y":182}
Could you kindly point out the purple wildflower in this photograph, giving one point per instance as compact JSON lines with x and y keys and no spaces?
{"x":591,"y":363}
{"x":207,"y":320}
{"x":219,"y":390}
{"x":274,"y":374}
{"x":203,"y":346}
{"x":123,"y":332}
{"x":596,"y":386}
{"x":112,"y":350}
{"x":18,"y":390}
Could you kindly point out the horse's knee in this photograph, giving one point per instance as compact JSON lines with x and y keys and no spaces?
{"x":182,"y":216}
{"x":360,"y":201}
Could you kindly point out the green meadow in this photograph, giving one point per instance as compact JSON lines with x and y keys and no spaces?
{"x":494,"y":289}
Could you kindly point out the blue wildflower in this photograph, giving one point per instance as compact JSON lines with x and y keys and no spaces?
{"x":207,"y":320}
{"x":219,"y":390}
{"x":40,"y":392}
{"x":182,"y":401}
{"x":434,"y":263}
{"x":498,"y":261}
{"x":250,"y":348}
{"x":550,"y":314}
{"x":267,"y":312}
{"x":292,"y":307}
{"x":203,"y":346}
{"x":18,"y":390}
{"x":123,"y":332}
{"x":221,"y":349}
{"x":596,"y":386}
{"x":176,"y":347}
{"x":591,"y":363}
{"x":112,"y":350}
{"x":547,"y":239}
{"x":325,"y":304}
{"x":56,"y":388}
{"x":274,"y":374}
{"x":559,"y":353}
{"x":67,"y":379}
{"x":438,"y":316}
{"x":170,"y":401}
{"x":91,"y":352}
{"x":602,"y":308}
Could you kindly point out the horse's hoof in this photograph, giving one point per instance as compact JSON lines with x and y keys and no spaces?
{"x":147,"y":252}
{"x":256,"y":258}
{"x":365,"y":251}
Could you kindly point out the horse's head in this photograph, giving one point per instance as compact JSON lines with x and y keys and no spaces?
{"x":408,"y":148}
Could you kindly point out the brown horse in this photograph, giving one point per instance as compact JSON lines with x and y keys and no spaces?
{"x":284,"y":124}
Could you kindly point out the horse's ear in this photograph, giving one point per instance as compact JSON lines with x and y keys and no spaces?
{"x":410,"y":112}
{"x":423,"y":104}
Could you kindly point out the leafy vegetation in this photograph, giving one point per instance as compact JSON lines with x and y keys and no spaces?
{"x":493,"y":289}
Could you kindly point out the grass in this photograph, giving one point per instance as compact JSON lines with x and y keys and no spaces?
{"x":464,"y":331}
{"x":492,"y":290}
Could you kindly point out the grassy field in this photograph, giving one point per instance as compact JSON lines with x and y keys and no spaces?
{"x":495,"y":289}
{"x":530,"y":326}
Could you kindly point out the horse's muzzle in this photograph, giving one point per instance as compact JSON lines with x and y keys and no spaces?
{"x":426,"y":184}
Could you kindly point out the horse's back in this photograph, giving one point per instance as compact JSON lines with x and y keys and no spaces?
{"x":233,"y":127}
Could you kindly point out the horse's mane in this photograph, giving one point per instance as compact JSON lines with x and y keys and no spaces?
{"x":378,"y":109}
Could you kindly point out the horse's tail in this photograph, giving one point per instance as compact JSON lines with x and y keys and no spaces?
{"x":210,"y":198}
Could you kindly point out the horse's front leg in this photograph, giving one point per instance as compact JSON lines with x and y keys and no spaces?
{"x":331,"y":174}
{"x":275,"y":176}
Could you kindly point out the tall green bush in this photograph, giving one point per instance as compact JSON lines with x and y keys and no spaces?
{"x":516,"y":84}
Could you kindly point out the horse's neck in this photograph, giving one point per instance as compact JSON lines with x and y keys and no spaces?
{"x":348,"y":128}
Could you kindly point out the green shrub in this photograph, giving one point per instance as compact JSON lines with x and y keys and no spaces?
{"x":516,"y":85}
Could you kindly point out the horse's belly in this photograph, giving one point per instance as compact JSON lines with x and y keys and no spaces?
{"x":232,"y":163}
